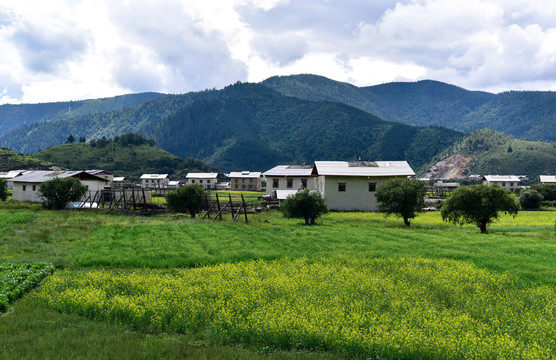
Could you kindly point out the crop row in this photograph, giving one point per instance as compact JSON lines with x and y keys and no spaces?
{"x":16,"y":279}
{"x":392,"y":308}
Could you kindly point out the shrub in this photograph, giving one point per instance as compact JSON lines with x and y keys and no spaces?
{"x":3,"y":190}
{"x":305,"y":204}
{"x":478,"y":204}
{"x":402,"y":197}
{"x":58,"y":192}
{"x":548,"y":191}
{"x":186,"y":199}
{"x":530,"y":199}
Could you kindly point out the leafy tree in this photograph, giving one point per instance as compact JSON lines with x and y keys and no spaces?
{"x":479,"y":205}
{"x":306,"y":204}
{"x":82,"y":139}
{"x":70,"y":140}
{"x":402,"y":197}
{"x":58,"y":192}
{"x":186,"y":199}
{"x":530,"y":199}
{"x":3,"y":190}
{"x":548,"y":191}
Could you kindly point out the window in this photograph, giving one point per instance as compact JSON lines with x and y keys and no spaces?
{"x":342,"y":187}
{"x":372,"y":187}
{"x":289,"y":183}
{"x":200,"y":181}
{"x":24,"y":187}
{"x":208,"y":181}
{"x":274,"y":183}
{"x":511,"y":184}
{"x":304,"y":183}
{"x":34,"y":187}
{"x":193,"y":181}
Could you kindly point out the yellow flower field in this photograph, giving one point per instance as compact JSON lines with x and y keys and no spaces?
{"x":400,"y":308}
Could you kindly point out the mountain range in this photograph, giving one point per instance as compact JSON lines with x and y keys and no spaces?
{"x":302,"y":118}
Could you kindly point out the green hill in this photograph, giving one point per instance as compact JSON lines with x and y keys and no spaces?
{"x":128,"y":155}
{"x":523,"y":114}
{"x":496,"y":153}
{"x":16,"y":116}
{"x":249,"y":126}
{"x":11,"y":160}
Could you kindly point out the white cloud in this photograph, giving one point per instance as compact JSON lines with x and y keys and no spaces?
{"x":73,"y":49}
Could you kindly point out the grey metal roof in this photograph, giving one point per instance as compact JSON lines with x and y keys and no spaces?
{"x":154,"y":176}
{"x":290,"y":170}
{"x":40,"y":176}
{"x":364,"y":168}
{"x":499,"y":178}
{"x":548,"y":178}
{"x":245,"y":174}
{"x":202,"y":176}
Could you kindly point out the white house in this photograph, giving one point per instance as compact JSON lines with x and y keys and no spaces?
{"x":102,"y":173}
{"x":245,"y":180}
{"x":351,"y":185}
{"x":289,"y":177}
{"x":10,"y":175}
{"x":26,"y":186}
{"x":548,"y":179}
{"x":508,"y":182}
{"x":206,"y":180}
{"x":156,"y":181}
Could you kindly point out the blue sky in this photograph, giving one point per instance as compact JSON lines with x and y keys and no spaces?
{"x":68,"y":50}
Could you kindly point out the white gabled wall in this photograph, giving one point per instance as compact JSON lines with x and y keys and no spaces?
{"x":283,"y":183}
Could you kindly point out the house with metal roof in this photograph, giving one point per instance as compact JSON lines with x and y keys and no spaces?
{"x":206,"y":180}
{"x":547,"y":179}
{"x":154,"y":181}
{"x":10,"y":175}
{"x":26,"y":186}
{"x":508,"y":182}
{"x":351,"y":185}
{"x":289,"y":177}
{"x":245,"y":180}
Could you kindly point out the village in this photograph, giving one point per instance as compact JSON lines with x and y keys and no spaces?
{"x":346,"y":185}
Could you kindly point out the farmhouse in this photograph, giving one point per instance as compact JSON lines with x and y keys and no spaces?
{"x":351,"y":185}
{"x":157,"y":181}
{"x":508,"y":182}
{"x":289,"y":177}
{"x":206,"y":180}
{"x":245,"y":180}
{"x":548,"y":179}
{"x":26,"y":186}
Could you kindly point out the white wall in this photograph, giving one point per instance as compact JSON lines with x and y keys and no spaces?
{"x":28,"y":195}
{"x":283,"y":183}
{"x":356,"y":196}
{"x":205,"y":183}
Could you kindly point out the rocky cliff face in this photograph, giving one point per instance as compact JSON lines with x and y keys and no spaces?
{"x":452,"y":167}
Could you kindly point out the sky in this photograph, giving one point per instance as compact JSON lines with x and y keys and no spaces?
{"x":59,"y":50}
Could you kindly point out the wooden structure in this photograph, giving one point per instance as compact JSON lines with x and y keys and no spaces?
{"x":213,"y":208}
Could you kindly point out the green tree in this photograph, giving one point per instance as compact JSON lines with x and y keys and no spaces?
{"x":479,"y":205}
{"x":548,"y":191}
{"x":3,"y":190}
{"x":305,"y":204}
{"x":186,"y":199}
{"x":58,"y":192}
{"x":70,"y":140}
{"x":402,"y":197}
{"x":530,"y":199}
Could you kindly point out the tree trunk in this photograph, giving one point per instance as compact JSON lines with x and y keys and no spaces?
{"x":483,"y":227}
{"x":406,"y":222}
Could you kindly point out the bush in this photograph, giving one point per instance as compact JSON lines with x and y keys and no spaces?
{"x":530,"y":199}
{"x":478,"y":204}
{"x":186,"y":199}
{"x":3,"y":190}
{"x":305,"y":204}
{"x":548,"y":191}
{"x":402,"y":197}
{"x":58,"y":192}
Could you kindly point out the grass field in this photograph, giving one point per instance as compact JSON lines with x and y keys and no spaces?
{"x":355,"y":285}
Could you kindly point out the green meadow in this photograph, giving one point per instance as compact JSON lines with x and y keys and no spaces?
{"x":356,"y":285}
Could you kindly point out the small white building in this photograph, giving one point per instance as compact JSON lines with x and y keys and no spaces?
{"x":26,"y":186}
{"x":102,"y":173}
{"x":154,"y":181}
{"x":508,"y":182}
{"x":548,"y":179}
{"x":10,"y":175}
{"x":351,"y":185}
{"x":245,"y":180}
{"x":289,"y":177}
{"x":206,"y":180}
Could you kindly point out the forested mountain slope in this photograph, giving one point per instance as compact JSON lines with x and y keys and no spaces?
{"x":16,"y":116}
{"x":524,"y":114}
{"x":11,"y":160}
{"x":249,"y":126}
